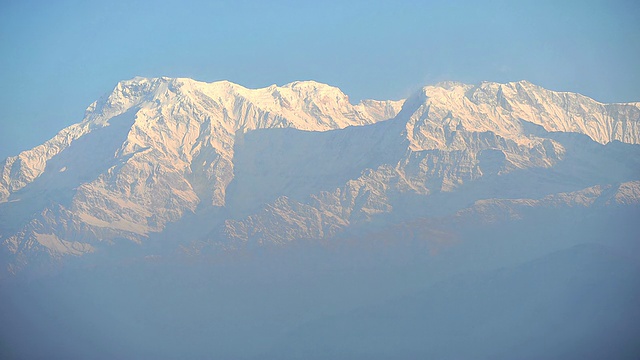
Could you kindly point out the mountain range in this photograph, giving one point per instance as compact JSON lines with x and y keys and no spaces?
{"x":183,"y":219}
{"x":205,"y":168}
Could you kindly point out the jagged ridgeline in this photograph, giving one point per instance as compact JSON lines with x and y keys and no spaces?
{"x":177,"y":167}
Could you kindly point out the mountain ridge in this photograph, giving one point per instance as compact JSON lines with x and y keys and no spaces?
{"x":298,"y":160}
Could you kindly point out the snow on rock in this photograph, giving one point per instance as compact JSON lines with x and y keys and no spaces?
{"x":500,"y":108}
{"x":628,"y":193}
{"x":155,"y":150}
{"x":494,"y":210}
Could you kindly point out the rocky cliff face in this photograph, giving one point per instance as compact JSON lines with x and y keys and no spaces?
{"x":279,"y":164}
{"x":459,"y":143}
{"x":148,"y":152}
{"x":500,"y":108}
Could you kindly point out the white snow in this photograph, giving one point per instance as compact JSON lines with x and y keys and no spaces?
{"x":155,"y":150}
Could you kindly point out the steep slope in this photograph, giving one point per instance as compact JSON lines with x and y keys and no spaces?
{"x":190,"y":220}
{"x":499,"y":107}
{"x":442,"y":152}
{"x":225,"y":167}
{"x":181,"y":116}
{"x":165,"y":146}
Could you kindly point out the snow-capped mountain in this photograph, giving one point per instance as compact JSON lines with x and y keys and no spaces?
{"x":148,"y":152}
{"x":214,"y":167}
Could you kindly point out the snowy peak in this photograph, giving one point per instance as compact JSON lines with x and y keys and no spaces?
{"x":307,"y":105}
{"x":147,"y":154}
{"x":182,"y":116}
{"x":291,"y":162}
{"x":500,"y":108}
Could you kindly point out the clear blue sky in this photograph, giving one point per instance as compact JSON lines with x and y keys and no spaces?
{"x":56,"y":57}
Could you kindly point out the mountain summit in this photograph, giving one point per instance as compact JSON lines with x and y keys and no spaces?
{"x":209,"y":167}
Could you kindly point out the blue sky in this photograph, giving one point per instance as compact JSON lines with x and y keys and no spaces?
{"x":59,"y":56}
